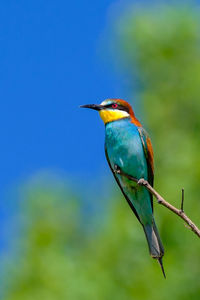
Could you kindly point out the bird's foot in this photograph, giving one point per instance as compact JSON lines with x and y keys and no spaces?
{"x":117,"y":169}
{"x":142,"y":181}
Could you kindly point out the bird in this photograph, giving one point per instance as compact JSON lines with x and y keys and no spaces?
{"x":129,"y":151}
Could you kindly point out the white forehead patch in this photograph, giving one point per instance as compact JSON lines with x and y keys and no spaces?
{"x":104,"y":102}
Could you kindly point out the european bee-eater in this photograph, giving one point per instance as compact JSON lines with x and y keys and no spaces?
{"x":128,"y":148}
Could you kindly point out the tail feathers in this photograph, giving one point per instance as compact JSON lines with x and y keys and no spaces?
{"x":156,"y":248}
{"x":161,"y":265}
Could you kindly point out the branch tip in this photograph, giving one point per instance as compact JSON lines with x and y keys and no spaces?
{"x":182,"y":200}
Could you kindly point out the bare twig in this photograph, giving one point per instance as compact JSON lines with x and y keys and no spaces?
{"x":162,"y":201}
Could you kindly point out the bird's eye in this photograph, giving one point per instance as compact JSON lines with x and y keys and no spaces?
{"x":114,"y":105}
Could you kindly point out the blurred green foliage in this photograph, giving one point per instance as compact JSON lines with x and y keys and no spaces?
{"x":57,"y":257}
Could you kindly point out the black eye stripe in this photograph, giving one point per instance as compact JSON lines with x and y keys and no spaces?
{"x":123,"y":108}
{"x":120,"y":107}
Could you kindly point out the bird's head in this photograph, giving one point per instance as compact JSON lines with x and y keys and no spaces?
{"x":114,"y":109}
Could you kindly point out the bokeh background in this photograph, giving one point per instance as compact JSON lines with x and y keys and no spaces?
{"x":66,"y":232}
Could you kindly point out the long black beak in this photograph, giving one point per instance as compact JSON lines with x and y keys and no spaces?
{"x":92,"y":106}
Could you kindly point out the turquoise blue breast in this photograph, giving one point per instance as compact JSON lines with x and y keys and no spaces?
{"x":124,"y":148}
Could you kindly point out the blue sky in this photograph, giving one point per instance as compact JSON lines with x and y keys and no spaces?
{"x":51,"y":62}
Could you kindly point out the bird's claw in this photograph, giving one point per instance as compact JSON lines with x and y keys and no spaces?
{"x":141,"y":181}
{"x":117,"y":169}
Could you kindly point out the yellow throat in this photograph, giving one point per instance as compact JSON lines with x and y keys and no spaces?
{"x":109,"y":115}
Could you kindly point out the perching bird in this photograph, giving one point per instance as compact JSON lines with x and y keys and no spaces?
{"x":128,"y":149}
